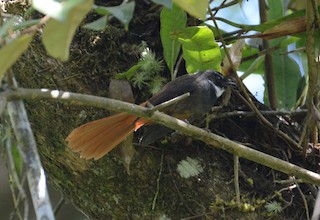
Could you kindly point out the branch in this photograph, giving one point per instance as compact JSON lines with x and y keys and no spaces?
{"x":252,"y":114}
{"x":35,"y":173}
{"x":313,"y":73}
{"x":171,"y":122}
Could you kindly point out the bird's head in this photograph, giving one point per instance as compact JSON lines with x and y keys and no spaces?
{"x":219,"y":82}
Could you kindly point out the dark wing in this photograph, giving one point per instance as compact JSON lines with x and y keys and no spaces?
{"x":175,"y":88}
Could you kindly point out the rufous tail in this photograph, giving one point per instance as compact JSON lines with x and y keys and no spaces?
{"x":96,"y":138}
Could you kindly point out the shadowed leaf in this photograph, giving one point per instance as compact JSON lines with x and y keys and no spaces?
{"x":57,"y":35}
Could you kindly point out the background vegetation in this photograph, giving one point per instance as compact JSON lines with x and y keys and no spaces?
{"x":128,"y":50}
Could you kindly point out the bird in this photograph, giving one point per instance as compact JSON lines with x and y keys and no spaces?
{"x":95,"y":139}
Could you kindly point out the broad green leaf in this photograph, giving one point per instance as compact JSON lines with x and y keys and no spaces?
{"x":166,"y":3}
{"x":12,"y":51}
{"x":55,"y":9}
{"x":196,"y":8}
{"x":286,"y":70}
{"x":123,"y":12}
{"x":57,"y":35}
{"x":171,"y":21}
{"x":200,"y":50}
{"x":275,"y":9}
{"x":287,"y":77}
{"x":97,"y":25}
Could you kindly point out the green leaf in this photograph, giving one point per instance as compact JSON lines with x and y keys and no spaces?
{"x":57,"y":10}
{"x":171,"y":21}
{"x":286,"y":70}
{"x":287,"y":78}
{"x":17,"y":159}
{"x":253,"y":65}
{"x":8,"y":25}
{"x":166,"y":3}
{"x":123,"y":12}
{"x":287,"y":41}
{"x":200,"y":50}
{"x":196,"y":8}
{"x":12,"y":51}
{"x":129,"y":73}
{"x":97,"y":25}
{"x":100,"y":10}
{"x":57,"y":35}
{"x":25,"y":24}
{"x":15,"y":23}
{"x":275,"y":9}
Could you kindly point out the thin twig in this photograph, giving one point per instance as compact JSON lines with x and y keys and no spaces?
{"x":315,"y":13}
{"x":305,"y":203}
{"x":225,"y":5}
{"x":36,"y":27}
{"x":260,"y":53}
{"x":171,"y":122}
{"x":290,"y":181}
{"x":59,"y":206}
{"x":176,"y":68}
{"x":158,"y":183}
{"x":170,"y":102}
{"x":252,"y":114}
{"x":236,"y":177}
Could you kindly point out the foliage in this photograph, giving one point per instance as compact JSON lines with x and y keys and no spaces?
{"x":188,"y":37}
{"x":123,"y":12}
{"x":15,"y":49}
{"x":146,"y":72}
{"x":57,"y":43}
{"x":199,"y":49}
{"x":273,"y":207}
{"x":171,"y":21}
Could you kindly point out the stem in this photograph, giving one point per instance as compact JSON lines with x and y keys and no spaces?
{"x":268,"y":63}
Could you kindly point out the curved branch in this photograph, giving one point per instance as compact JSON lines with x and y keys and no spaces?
{"x":171,"y":122}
